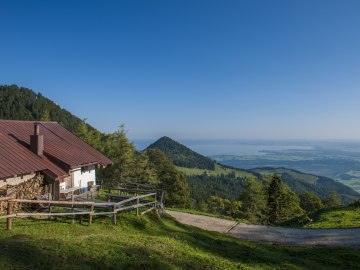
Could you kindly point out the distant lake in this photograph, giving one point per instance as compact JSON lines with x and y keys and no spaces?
{"x":256,"y":147}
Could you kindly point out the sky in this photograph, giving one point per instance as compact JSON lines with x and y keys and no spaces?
{"x":192,"y":69}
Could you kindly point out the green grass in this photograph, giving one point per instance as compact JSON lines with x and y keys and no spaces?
{"x":294,"y":174}
{"x":151,"y":243}
{"x":354,"y":183}
{"x":343,"y":217}
{"x":218,"y":170}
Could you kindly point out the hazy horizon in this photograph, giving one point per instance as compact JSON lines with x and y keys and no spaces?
{"x":243,"y":147}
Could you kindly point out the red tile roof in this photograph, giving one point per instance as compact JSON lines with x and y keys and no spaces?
{"x":62,"y":150}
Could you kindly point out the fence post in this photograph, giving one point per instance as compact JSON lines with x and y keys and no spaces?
{"x":49,"y":205}
{"x":9,"y":219}
{"x":72,"y":208}
{"x":161,"y":208}
{"x":137,"y":207}
{"x":90,"y":215}
{"x":162,"y":197}
{"x":137,"y":200}
{"x":155,"y":202}
{"x":114,"y":216}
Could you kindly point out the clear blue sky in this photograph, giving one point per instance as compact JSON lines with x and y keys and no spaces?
{"x":192,"y":69}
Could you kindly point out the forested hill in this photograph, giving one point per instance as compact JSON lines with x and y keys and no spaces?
{"x":225,"y":181}
{"x":301,"y":182}
{"x":18,"y":103}
{"x":181,"y":155}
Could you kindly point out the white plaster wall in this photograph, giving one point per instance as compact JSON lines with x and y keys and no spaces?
{"x":13,"y":181}
{"x":81,"y":179}
{"x":62,"y":185}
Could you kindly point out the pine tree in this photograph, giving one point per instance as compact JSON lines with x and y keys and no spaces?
{"x":174,"y":183}
{"x":83,"y":132}
{"x":282,"y":203}
{"x":253,"y":198}
{"x":310,"y":202}
{"x":276,"y":200}
{"x":143,"y":172}
{"x":45,"y":116}
{"x":123,"y":157}
{"x":333,"y":200}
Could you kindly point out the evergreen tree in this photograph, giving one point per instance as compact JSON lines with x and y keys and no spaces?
{"x":143,"y":172}
{"x":170,"y":179}
{"x":282,"y":203}
{"x":292,"y":207}
{"x":122,"y":153}
{"x":253,"y":198}
{"x":45,"y":116}
{"x":276,"y":200}
{"x":310,"y":202}
{"x":82,"y":131}
{"x":333,"y":200}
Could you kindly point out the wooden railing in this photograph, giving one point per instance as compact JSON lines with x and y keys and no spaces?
{"x":80,"y":208}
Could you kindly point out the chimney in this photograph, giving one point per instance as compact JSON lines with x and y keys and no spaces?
{"x":37,"y":141}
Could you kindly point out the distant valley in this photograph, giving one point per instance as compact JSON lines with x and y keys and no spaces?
{"x":225,"y":179}
{"x":339,"y":160}
{"x":341,"y":163}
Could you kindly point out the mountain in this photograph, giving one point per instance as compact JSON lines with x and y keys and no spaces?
{"x":301,"y":182}
{"x":226,"y":181}
{"x":181,"y":155}
{"x":19,"y":103}
{"x":336,"y":160}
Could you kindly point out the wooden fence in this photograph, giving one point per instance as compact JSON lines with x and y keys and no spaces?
{"x":82,"y":208}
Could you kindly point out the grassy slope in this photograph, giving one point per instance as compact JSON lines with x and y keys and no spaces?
{"x":309,"y":178}
{"x":150,"y":243}
{"x":354,"y":183}
{"x":301,"y":182}
{"x":218,"y":170}
{"x":342,"y":217}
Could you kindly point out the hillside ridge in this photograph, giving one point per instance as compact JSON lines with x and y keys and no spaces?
{"x":181,"y":155}
{"x":20,"y":103}
{"x":231,"y":177}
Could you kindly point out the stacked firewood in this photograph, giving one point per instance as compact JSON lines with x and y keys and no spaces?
{"x":26,"y":190}
{"x":29,"y":190}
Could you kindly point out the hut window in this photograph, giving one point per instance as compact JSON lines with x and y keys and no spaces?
{"x":84,"y":169}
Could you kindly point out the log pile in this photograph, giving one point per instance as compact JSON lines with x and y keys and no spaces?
{"x":26,"y":190}
{"x":29,"y":190}
{"x":3,"y":206}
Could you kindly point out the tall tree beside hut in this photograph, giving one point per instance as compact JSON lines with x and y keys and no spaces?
{"x":122,"y":152}
{"x":177,"y":189}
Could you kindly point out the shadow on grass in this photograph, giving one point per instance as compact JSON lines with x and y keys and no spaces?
{"x":238,"y":251}
{"x":41,"y":221}
{"x":139,"y":248}
{"x":23,"y":252}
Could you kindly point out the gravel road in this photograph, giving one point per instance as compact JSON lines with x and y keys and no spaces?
{"x":267,"y":234}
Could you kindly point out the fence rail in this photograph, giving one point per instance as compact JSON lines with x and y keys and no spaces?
{"x":90,"y":208}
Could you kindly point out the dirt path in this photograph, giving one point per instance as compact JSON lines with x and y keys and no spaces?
{"x":265,"y":234}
